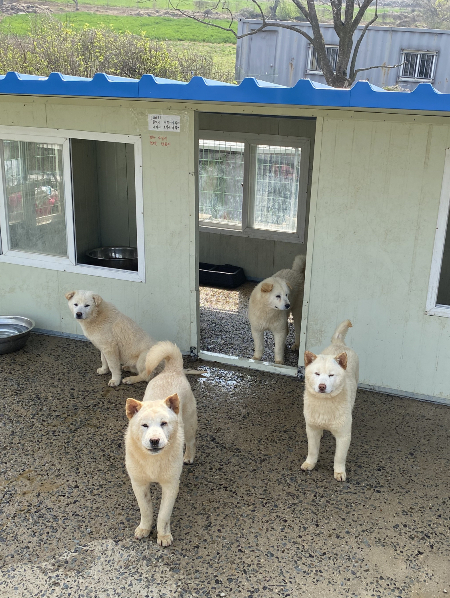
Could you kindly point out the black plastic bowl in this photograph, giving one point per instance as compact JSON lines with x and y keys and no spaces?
{"x":121,"y":258}
{"x":14,"y":333}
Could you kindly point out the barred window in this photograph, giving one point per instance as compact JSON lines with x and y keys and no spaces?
{"x":253,"y":183}
{"x":418,"y":65}
{"x":332,"y":55}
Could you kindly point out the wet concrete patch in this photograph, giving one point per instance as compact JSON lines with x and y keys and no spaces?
{"x":247,"y":522}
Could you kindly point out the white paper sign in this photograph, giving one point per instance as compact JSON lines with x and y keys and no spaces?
{"x":164,"y":122}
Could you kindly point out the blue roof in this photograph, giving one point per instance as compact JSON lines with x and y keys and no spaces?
{"x":250,"y":91}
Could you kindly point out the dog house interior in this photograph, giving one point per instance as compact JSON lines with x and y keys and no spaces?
{"x":253,"y":196}
{"x":71,"y":198}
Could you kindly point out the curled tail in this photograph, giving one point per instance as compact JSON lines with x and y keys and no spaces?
{"x":341,"y":331}
{"x":299,"y":263}
{"x":167,"y":351}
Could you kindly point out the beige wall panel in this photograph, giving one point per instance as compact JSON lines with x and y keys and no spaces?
{"x":378,"y":196}
{"x":21,"y":112}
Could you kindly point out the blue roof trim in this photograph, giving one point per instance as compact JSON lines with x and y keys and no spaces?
{"x":250,"y":91}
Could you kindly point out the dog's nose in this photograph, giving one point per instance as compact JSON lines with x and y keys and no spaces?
{"x":322,"y":387}
{"x":154,"y":442}
{"x":287,"y":305}
{"x":78,"y":314}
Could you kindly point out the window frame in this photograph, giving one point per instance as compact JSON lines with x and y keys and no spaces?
{"x":311,"y":71}
{"x":248,"y":192}
{"x":420,"y":52}
{"x":432,"y":307}
{"x":68,"y":264}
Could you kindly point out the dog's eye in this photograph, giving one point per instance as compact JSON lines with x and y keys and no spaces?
{"x":75,"y":304}
{"x":145,"y":425}
{"x":163,"y":424}
{"x":317,"y":374}
{"x":278,"y":296}
{"x":86,"y":305}
{"x":330,"y":375}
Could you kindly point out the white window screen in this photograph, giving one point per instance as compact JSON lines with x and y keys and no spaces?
{"x":221,"y":179}
{"x":277,"y":187}
{"x":33,"y":188}
{"x":417,"y":65}
{"x":332,"y":55}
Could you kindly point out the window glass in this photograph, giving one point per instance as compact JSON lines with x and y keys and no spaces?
{"x":277,"y":186}
{"x":417,"y":65}
{"x":332,"y":54}
{"x":221,"y":181}
{"x":425,"y":69}
{"x":33,"y":181}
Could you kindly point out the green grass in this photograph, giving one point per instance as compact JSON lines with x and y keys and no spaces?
{"x":157,"y":28}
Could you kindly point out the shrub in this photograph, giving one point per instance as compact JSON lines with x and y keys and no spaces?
{"x":54,"y":46}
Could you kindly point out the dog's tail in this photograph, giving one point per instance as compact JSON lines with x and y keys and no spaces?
{"x":341,"y":331}
{"x":171,"y":354}
{"x":167,"y":351}
{"x":299,"y":263}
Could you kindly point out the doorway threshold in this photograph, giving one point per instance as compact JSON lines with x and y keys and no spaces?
{"x":252,"y":364}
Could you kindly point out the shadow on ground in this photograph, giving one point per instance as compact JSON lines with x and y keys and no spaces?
{"x":247,"y":522}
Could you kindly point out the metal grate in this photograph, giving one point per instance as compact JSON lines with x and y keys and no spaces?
{"x":221,"y":180}
{"x":277,"y":185}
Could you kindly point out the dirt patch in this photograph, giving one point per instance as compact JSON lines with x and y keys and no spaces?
{"x":17,"y":7}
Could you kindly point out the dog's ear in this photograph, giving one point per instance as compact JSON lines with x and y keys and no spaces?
{"x":289,"y":285}
{"x":173,"y":402}
{"x":70,"y":295}
{"x":342,"y":360}
{"x":132,"y":407}
{"x":97,"y":299}
{"x":266,"y":287}
{"x":309,"y":357}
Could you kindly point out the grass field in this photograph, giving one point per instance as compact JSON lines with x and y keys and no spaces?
{"x":157,"y":28}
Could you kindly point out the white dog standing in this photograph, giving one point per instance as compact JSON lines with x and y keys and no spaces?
{"x":119,"y":339}
{"x":159,"y":427}
{"x":271,"y":302}
{"x":331,"y":380}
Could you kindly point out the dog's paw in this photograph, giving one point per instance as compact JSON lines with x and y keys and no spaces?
{"x":257,"y":357}
{"x":279,"y":362}
{"x":165,"y":539}
{"x":340,"y":476}
{"x":294,"y":347}
{"x":113,"y":382}
{"x":307,"y":466}
{"x":188,"y":459}
{"x":102,"y":371}
{"x":128,"y":380}
{"x":140,"y":533}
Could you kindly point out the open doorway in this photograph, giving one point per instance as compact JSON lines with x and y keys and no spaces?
{"x":254,"y":190}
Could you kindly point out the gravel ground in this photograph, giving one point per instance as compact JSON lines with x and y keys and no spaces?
{"x":247,"y":523}
{"x":224,"y":325}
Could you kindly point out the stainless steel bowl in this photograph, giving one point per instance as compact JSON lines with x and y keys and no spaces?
{"x":123,"y":258}
{"x":14,"y":333}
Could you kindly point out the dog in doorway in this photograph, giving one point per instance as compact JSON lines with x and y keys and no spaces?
{"x":331,"y":380}
{"x":271,"y":302}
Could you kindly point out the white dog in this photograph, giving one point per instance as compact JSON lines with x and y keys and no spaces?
{"x":331,"y":379}
{"x":120,"y":340}
{"x":158,"y":428}
{"x":271,"y":302}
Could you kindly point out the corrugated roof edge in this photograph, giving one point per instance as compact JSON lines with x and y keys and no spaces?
{"x":250,"y":91}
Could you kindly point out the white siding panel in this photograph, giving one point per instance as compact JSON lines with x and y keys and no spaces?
{"x":378,"y":195}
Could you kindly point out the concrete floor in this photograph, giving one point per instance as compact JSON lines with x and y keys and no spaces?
{"x":247,"y":522}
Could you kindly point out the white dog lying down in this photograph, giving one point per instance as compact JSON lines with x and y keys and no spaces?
{"x":331,"y":380}
{"x":269,"y":306}
{"x":158,"y":428}
{"x":123,"y":345}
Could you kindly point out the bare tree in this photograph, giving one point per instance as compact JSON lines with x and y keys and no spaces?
{"x":346,"y":19}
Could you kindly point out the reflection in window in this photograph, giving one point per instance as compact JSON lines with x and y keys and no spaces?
{"x":33,"y":181}
{"x":221,"y":177}
{"x":277,"y":184}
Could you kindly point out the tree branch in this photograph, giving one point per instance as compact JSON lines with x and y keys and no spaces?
{"x":359,"y":15}
{"x":380,"y":66}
